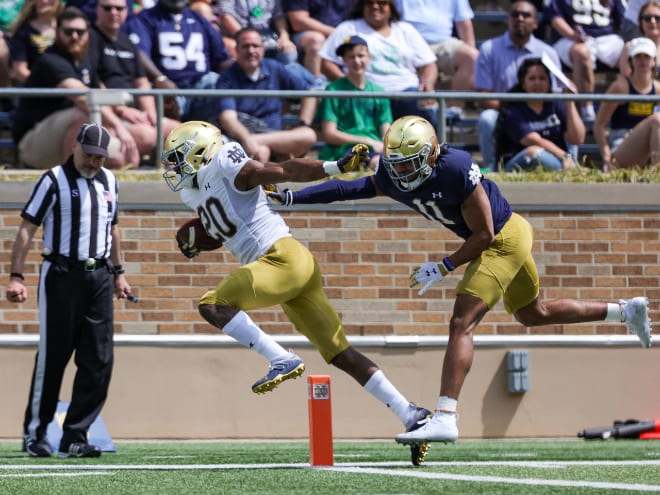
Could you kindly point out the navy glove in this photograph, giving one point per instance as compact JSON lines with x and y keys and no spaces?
{"x":277,"y":197}
{"x":357,"y":158}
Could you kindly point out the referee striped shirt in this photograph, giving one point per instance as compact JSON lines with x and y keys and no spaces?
{"x":77,"y":213}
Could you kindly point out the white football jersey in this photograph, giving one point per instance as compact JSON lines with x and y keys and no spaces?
{"x":242,"y":219}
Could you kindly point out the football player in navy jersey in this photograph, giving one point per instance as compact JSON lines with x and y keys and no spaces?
{"x":185,"y":48}
{"x":447,"y":186}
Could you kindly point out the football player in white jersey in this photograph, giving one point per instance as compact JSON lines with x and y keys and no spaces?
{"x":224,"y":187}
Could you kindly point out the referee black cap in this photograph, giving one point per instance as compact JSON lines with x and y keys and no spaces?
{"x":94,"y":139}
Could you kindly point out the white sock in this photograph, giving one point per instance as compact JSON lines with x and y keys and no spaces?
{"x":382,"y":389}
{"x":244,"y":330}
{"x":446,"y":404}
{"x":615,"y":312}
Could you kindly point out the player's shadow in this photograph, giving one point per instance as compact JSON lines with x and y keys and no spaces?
{"x":496,"y":412}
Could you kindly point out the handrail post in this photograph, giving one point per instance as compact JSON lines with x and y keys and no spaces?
{"x":159,"y":130}
{"x":98,"y":97}
{"x":442,"y":121}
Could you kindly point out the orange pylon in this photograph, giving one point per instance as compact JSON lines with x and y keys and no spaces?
{"x":319,"y":404}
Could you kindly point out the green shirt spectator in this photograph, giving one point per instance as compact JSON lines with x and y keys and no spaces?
{"x":348,"y":121}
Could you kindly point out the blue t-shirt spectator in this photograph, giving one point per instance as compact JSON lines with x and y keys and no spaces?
{"x":522,"y":120}
{"x":272,"y":76}
{"x":330,"y":12}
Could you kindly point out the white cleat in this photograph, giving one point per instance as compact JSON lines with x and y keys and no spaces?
{"x":636,"y":318}
{"x":440,"y":428}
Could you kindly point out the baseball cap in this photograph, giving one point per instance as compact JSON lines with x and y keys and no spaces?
{"x":350,"y":42}
{"x":94,"y":139}
{"x":642,"y":45}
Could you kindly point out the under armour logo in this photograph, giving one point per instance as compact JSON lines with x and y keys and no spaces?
{"x":207,"y":186}
{"x":436,"y":195}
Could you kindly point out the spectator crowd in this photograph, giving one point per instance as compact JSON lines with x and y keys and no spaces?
{"x":339,"y":45}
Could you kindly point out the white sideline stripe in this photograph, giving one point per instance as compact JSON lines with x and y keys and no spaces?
{"x":305,"y":465}
{"x":497,"y":479}
{"x":54,"y":475}
{"x":366,"y":468}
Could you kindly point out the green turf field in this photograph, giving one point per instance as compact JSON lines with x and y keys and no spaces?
{"x":511,"y":467}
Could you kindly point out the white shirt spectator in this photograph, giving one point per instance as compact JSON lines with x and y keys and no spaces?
{"x":394,"y":59}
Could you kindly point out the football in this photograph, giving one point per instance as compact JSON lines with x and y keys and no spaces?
{"x":192,"y":233}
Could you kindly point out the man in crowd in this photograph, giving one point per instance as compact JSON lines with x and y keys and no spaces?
{"x":256,"y":122}
{"x":185,"y":50}
{"x":437,"y":21}
{"x":311,"y":24}
{"x":497,"y":67}
{"x":118,"y":64}
{"x":45,"y":128}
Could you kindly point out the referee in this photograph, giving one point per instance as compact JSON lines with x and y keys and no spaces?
{"x":76,"y":203}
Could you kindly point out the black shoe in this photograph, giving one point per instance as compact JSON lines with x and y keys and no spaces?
{"x":80,"y":449}
{"x":38,"y":448}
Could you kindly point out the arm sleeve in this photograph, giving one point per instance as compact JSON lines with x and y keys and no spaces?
{"x":335,"y":190}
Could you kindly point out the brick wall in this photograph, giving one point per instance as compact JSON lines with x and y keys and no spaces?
{"x":366,"y":254}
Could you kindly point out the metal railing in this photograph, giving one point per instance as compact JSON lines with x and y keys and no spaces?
{"x":99,"y":97}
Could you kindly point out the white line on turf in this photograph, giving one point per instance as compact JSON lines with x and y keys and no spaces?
{"x":304,"y":465}
{"x":377,"y":468}
{"x":636,"y":487}
{"x":55,"y":475}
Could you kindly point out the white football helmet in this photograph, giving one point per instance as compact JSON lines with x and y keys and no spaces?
{"x":188,"y":147}
{"x":410,"y":151}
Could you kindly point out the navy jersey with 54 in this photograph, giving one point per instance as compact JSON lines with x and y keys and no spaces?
{"x":439,"y":198}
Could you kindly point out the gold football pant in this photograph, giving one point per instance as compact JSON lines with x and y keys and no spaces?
{"x":287,"y":275}
{"x":506,"y":269}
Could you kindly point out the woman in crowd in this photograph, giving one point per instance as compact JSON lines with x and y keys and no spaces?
{"x":31,"y":34}
{"x":400,"y":58}
{"x":649,"y":27}
{"x":537,"y":132}
{"x":634,"y":126}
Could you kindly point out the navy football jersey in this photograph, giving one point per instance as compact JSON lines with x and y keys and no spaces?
{"x":439,"y":198}
{"x":597,"y":18}
{"x":183,"y":47}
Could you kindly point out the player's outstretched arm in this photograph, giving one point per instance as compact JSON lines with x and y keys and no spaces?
{"x":256,"y":174}
{"x":325,"y":192}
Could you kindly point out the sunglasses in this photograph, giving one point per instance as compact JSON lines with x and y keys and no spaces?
{"x":70,"y":31}
{"x":649,"y":18}
{"x":108,"y":8}
{"x":514,"y":14}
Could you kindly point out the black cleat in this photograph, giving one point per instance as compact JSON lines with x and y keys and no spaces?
{"x":38,"y":448}
{"x":418,"y":451}
{"x":80,"y":449}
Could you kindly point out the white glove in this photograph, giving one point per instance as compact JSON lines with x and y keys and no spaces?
{"x":429,"y":273}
